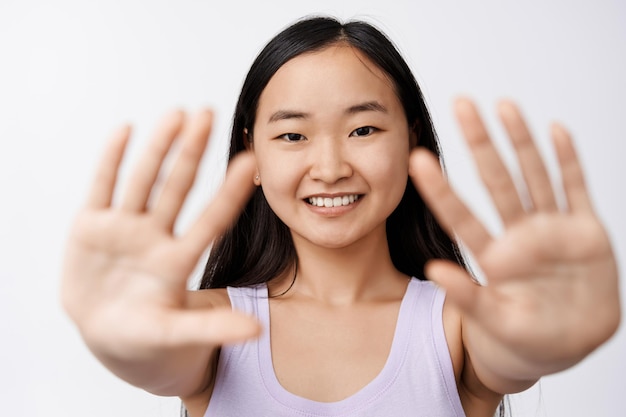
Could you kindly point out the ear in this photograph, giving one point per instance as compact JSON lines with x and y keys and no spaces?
{"x":247,"y":140}
{"x":414,"y":134}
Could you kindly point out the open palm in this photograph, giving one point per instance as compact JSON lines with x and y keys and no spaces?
{"x":125,"y":271}
{"x":551,"y":293}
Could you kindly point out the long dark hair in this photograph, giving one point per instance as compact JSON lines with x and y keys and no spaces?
{"x":259,"y":246}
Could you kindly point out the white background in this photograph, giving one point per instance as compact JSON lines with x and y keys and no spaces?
{"x":72,"y":71}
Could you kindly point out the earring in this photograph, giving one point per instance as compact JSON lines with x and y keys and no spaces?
{"x":257,"y":177}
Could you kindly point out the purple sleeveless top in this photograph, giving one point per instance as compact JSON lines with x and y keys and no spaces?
{"x":417,"y":379}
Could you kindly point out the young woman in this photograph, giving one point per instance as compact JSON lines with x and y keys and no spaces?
{"x":318,"y":295}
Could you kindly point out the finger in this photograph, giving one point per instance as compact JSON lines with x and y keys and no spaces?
{"x":103,"y":185}
{"x":212,"y":327}
{"x":571,"y":171}
{"x":531,"y":163}
{"x":226,"y":206}
{"x":449,"y":210}
{"x":146,"y":171}
{"x":194,"y":140}
{"x":492,"y":170}
{"x":460,"y":288}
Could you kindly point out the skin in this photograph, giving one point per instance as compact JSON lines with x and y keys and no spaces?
{"x":329,"y":124}
{"x":551,"y":298}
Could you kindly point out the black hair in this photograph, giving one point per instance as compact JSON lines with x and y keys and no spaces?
{"x":259,"y":246}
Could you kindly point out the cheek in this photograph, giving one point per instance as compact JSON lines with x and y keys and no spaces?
{"x":390,"y":174}
{"x":279,"y":176}
{"x":390,"y":163}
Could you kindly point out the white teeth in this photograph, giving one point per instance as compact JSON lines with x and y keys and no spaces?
{"x":333,"y":202}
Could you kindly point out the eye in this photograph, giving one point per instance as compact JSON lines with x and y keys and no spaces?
{"x":363,"y":131}
{"x":292,"y":137}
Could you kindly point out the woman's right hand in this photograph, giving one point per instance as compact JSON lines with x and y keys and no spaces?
{"x":125,"y":272}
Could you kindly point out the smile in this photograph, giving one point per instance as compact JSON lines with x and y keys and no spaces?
{"x":333,"y":201}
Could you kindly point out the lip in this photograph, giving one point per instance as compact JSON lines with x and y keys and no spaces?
{"x":332,"y":195}
{"x":333,"y":211}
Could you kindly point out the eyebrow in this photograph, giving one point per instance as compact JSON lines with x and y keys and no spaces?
{"x":357,"y":108}
{"x":367,"y":106}
{"x":286,"y":115}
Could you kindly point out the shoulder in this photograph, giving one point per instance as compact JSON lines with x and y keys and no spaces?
{"x":211,"y":298}
{"x":475,"y":397}
{"x":224,"y":297}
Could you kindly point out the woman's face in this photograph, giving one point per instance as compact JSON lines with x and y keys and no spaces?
{"x":332,"y":144}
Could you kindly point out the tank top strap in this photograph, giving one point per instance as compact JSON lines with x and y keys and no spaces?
{"x":245,"y":300}
{"x":430,"y":346}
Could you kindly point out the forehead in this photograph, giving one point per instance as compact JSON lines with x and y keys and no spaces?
{"x":335,"y":77}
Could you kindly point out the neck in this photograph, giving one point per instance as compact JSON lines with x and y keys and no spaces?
{"x":362,"y":271}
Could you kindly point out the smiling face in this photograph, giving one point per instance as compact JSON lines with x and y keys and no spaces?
{"x":332,"y":145}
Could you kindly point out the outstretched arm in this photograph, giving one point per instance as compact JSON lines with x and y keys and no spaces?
{"x":125,"y":271}
{"x":551,"y":295}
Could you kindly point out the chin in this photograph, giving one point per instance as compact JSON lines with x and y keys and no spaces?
{"x":330,"y":241}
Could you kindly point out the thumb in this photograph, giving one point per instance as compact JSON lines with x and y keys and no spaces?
{"x":228,"y":203}
{"x":211,"y":327}
{"x":460,"y":288}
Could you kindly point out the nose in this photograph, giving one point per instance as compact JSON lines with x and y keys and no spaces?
{"x":329,"y":163}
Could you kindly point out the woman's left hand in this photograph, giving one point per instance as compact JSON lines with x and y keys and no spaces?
{"x":551,"y":294}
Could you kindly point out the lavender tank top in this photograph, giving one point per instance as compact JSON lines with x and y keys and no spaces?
{"x":417,"y":379}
